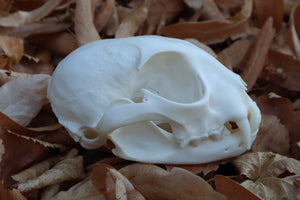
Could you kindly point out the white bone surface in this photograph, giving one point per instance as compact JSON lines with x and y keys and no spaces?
{"x":126,"y":89}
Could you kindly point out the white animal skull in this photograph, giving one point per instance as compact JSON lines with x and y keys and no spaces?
{"x":126,"y":89}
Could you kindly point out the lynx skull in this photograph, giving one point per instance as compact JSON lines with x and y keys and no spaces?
{"x":127,"y":90}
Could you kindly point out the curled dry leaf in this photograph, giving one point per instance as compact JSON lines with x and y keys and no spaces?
{"x":212,"y":12}
{"x":32,"y":65}
{"x":56,"y":42}
{"x":35,"y":28}
{"x":21,"y":17}
{"x":196,"y":169}
{"x":113,"y":184}
{"x":10,"y":194}
{"x":294,"y":30}
{"x":232,"y":190}
{"x":272,"y":136}
{"x":161,"y":12}
{"x":65,"y":170}
{"x":283,"y":108}
{"x":157,"y":183}
{"x":84,"y":24}
{"x":35,"y":170}
{"x":211,"y":32}
{"x":16,"y":153}
{"x":22,"y":98}
{"x":283,"y":70}
{"x":105,"y":14}
{"x":13,"y":47}
{"x":232,"y":56}
{"x":271,"y":8}
{"x":133,"y":21}
{"x":258,"y":54}
{"x":271,"y":175}
{"x":84,"y":190}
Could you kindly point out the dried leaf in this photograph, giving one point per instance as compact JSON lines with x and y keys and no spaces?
{"x":157,"y":183}
{"x":258,"y":55}
{"x":271,"y":8}
{"x":31,"y":65}
{"x":67,"y":169}
{"x":283,"y":108}
{"x":36,"y":170}
{"x":272,"y":136}
{"x":56,"y":42}
{"x":234,"y":53}
{"x":20,"y":18}
{"x":6,"y":76}
{"x":10,"y":194}
{"x":202,"y":46}
{"x":211,"y":32}
{"x":105,"y":14}
{"x":133,"y":22}
{"x":22,"y":98}
{"x":13,"y":47}
{"x":294,"y":30}
{"x":161,"y":12}
{"x":113,"y":184}
{"x":84,"y":190}
{"x":265,"y":171}
{"x":282,"y":70}
{"x":34,"y":28}
{"x":212,"y":11}
{"x":16,"y":153}
{"x":84,"y":24}
{"x":196,"y":169}
{"x":12,"y":126}
{"x":232,"y":190}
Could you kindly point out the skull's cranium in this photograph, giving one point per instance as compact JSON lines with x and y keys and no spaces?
{"x":127,"y":89}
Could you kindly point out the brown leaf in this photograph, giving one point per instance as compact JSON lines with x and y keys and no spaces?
{"x":284,"y":109}
{"x":161,"y":12}
{"x":157,"y":183}
{"x":105,"y":14}
{"x":212,"y":12}
{"x":234,"y":53}
{"x":258,"y":54}
{"x":13,"y":47}
{"x":20,"y":18}
{"x":282,"y":70}
{"x":271,"y":8}
{"x":10,"y":194}
{"x":232,"y":190}
{"x":84,"y":190}
{"x":56,"y":42}
{"x":211,"y":32}
{"x":67,"y":169}
{"x":84,"y":24}
{"x":36,"y":170}
{"x":196,"y":169}
{"x":16,"y":153}
{"x":32,"y":65}
{"x":11,"y":125}
{"x":34,"y":28}
{"x":294,"y":30}
{"x":133,"y":21}
{"x":272,"y":136}
{"x":113,"y":184}
{"x":266,"y":173}
{"x":22,"y":98}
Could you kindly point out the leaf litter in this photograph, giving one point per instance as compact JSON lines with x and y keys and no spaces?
{"x":255,"y":38}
